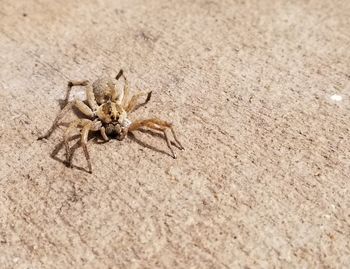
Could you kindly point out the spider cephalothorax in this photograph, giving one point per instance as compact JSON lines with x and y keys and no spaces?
{"x":107,"y":111}
{"x":111,"y":112}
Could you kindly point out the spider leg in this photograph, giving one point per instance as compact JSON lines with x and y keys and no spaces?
{"x":86,"y":110}
{"x":116,"y":96}
{"x":158,"y":125}
{"x":124,"y":95}
{"x":120,"y":73}
{"x":134,"y":103}
{"x":59,"y":146}
{"x":55,"y":122}
{"x":72,"y":83}
{"x":103,"y":133}
{"x":73,"y":148}
{"x":79,"y":105}
{"x":74,"y":125}
{"x":83,"y":108}
{"x":170,"y":126}
{"x":126,"y":90}
{"x":86,"y":126}
{"x":88,"y":91}
{"x":176,"y":139}
{"x":90,"y":96}
{"x":84,"y":139}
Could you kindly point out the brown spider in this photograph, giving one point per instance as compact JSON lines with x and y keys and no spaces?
{"x":107,"y":111}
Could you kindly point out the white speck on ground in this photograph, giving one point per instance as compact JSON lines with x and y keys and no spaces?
{"x":336,"y":97}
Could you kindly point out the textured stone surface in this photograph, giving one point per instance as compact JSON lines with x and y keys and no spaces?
{"x":264,"y":181}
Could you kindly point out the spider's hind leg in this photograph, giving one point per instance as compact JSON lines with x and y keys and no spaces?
{"x":72,"y":83}
{"x":121,"y":100}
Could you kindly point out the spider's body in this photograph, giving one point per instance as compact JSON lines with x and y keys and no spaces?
{"x":105,"y":89}
{"x":114,"y":119}
{"x":107,"y":111}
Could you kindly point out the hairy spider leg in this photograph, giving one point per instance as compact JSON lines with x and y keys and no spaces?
{"x":84,"y":139}
{"x":103,"y":134}
{"x":124,"y":95}
{"x":72,"y":83}
{"x":159,"y":125}
{"x":86,"y":126}
{"x":134,"y":103}
{"x":66,"y":137}
{"x":83,"y":108}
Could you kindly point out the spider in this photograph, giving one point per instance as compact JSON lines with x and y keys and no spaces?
{"x":106,"y":110}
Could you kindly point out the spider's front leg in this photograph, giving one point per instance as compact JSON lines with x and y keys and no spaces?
{"x":82,"y":107}
{"x":86,"y":126}
{"x":158,"y":125}
{"x":103,"y":134}
{"x":80,"y":123}
{"x":79,"y":105}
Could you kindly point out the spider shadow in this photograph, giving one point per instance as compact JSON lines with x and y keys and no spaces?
{"x":146,"y":145}
{"x":60,"y":145}
{"x":62,"y":103}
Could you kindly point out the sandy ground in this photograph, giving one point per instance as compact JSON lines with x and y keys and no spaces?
{"x":259,"y":94}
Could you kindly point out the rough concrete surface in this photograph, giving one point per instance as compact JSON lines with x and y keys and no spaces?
{"x":259,"y":94}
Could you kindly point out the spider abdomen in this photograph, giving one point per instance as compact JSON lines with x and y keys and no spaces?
{"x":105,"y":89}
